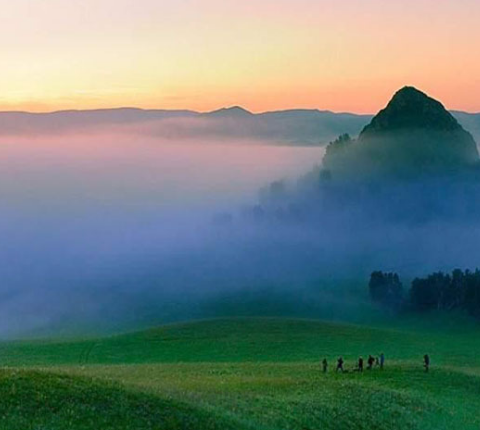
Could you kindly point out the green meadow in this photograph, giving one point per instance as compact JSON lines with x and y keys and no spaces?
{"x":246,"y":373}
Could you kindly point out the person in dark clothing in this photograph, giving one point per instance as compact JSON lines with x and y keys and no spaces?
{"x":370,"y":362}
{"x":324,"y":365}
{"x":426,"y":362}
{"x":382,"y":360}
{"x":360,"y":364}
{"x":340,"y":364}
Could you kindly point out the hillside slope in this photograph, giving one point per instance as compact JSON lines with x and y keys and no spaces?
{"x":246,"y":374}
{"x":253,"y":340}
{"x":40,"y":400}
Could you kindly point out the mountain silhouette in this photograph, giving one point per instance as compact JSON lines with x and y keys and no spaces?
{"x":411,"y":109}
{"x":234,"y":111}
{"x":414,"y":134}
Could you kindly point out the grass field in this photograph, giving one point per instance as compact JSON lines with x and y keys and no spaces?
{"x":245,"y":374}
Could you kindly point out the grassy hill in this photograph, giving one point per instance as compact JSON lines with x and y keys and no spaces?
{"x":44,"y":400}
{"x":245,"y":374}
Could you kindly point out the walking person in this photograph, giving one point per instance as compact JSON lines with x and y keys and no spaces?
{"x":360,"y":364}
{"x":370,"y":362}
{"x":324,"y":365}
{"x":340,"y":365}
{"x":426,"y":362}
{"x":382,"y":360}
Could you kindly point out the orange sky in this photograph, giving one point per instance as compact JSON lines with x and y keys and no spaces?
{"x":343,"y":55}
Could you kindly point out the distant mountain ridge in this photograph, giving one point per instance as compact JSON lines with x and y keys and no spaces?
{"x":292,"y":127}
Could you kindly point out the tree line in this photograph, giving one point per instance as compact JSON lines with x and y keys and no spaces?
{"x":458,"y":290}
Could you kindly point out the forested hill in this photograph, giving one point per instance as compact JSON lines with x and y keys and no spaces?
{"x":413,"y":135}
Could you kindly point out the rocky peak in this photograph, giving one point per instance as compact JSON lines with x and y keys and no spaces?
{"x":411,"y":109}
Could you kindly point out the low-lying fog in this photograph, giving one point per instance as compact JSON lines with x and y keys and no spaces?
{"x":102,"y":232}
{"x":104,"y":227}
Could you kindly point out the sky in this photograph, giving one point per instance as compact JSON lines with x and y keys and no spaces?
{"x":341,"y":55}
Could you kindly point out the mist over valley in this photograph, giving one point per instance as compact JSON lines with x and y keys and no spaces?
{"x":119,"y":219}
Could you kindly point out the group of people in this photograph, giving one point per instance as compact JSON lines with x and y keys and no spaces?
{"x":371,"y":361}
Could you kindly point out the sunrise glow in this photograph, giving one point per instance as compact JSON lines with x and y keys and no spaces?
{"x":203,"y":54}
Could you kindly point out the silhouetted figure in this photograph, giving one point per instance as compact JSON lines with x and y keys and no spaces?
{"x":382,"y":360}
{"x":324,"y":365}
{"x":426,"y":362}
{"x":370,"y":362}
{"x":360,"y":364}
{"x":340,"y":364}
